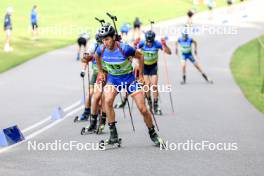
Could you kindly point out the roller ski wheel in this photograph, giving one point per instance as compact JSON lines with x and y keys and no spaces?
{"x":100,"y":129}
{"x":76,"y":119}
{"x":160,"y":143}
{"x":83,"y":131}
{"x":107,"y":144}
{"x":86,"y":131}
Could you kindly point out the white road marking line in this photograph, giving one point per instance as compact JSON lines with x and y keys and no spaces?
{"x":72,"y":106}
{"x":36,"y":125}
{"x":49,"y":118}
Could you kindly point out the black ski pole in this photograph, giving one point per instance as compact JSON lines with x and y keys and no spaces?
{"x":123,"y":106}
{"x":101,"y":111}
{"x":89,"y":93}
{"x":132,"y":122}
{"x":84,"y":95}
{"x":114,"y":19}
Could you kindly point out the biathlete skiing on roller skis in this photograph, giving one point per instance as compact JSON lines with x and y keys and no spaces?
{"x":115,"y":56}
{"x":186,"y":45}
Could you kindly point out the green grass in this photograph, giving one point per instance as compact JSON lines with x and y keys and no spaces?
{"x":71,"y":14}
{"x":245,"y":69}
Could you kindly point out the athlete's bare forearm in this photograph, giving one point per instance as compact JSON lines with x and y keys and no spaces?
{"x":98,"y":62}
{"x":140,"y":57}
{"x":167,"y":49}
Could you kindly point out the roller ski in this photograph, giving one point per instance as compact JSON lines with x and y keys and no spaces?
{"x":156,"y":139}
{"x":91,"y":128}
{"x":107,"y":144}
{"x":157,"y":110}
{"x":82,"y":118}
{"x":113,"y":141}
{"x":210,"y":82}
{"x":206,"y":79}
{"x":183,"y":80}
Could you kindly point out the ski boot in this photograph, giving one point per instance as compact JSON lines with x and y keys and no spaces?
{"x":155,"y":138}
{"x":84,"y":117}
{"x":101,"y":124}
{"x":91,"y":128}
{"x":157,"y":110}
{"x":183,"y":80}
{"x":113,"y":141}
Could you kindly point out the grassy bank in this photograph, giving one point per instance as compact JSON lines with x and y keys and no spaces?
{"x":248,"y":74}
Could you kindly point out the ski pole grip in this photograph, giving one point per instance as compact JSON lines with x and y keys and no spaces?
{"x":109,"y":15}
{"x":100,"y":21}
{"x":151,"y":22}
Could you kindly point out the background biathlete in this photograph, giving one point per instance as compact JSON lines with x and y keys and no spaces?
{"x":186,"y":45}
{"x":150,"y":48}
{"x":92,"y":106}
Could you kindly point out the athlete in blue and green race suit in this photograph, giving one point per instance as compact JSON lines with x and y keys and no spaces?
{"x":150,"y":48}
{"x":88,"y":57}
{"x":116,"y":55}
{"x":95,"y":91}
{"x":186,"y":44}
